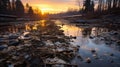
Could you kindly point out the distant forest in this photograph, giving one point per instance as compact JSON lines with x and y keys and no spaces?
{"x":16,"y":7}
{"x":110,"y":6}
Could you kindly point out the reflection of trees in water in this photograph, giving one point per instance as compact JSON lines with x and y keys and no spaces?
{"x":98,"y":41}
{"x":114,"y":46}
{"x":12,"y":28}
{"x":96,"y":31}
{"x":86,"y":32}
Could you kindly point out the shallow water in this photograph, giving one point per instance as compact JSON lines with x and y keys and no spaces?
{"x":83,"y":39}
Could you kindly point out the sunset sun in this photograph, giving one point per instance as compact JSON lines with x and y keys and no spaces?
{"x":46,"y":10}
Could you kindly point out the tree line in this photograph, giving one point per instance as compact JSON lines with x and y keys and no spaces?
{"x":103,"y":5}
{"x":108,"y":4}
{"x":15,"y":7}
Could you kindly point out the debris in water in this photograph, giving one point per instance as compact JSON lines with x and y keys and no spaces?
{"x":95,"y":56}
{"x":91,"y":37}
{"x":111,"y":54}
{"x":88,"y":60}
{"x":79,"y":56}
{"x":111,"y":61}
{"x":93,"y":50}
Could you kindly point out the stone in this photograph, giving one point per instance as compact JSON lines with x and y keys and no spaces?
{"x":111,"y":54}
{"x":88,"y":60}
{"x":93,"y":51}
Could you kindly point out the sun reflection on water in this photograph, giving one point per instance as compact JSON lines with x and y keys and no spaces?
{"x":43,"y":23}
{"x":35,"y":26}
{"x":27,"y":27}
{"x":71,"y":30}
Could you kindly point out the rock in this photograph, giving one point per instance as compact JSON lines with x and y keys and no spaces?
{"x":13,"y":37}
{"x":88,"y":60}
{"x":91,"y":37}
{"x":36,"y":62}
{"x":74,"y":37}
{"x":118,"y":42}
{"x":111,"y":54}
{"x":114,"y":33}
{"x":26,"y":56}
{"x":78,"y":46}
{"x":93,"y":51}
{"x":3,"y":41}
{"x":76,"y":49}
{"x":14,"y":57}
{"x":111,"y":61}
{"x":95,"y":56}
{"x":28,"y":45}
{"x":102,"y":39}
{"x":2,"y":48}
{"x":24,"y":37}
{"x":79,"y":56}
{"x":11,"y":48}
{"x":10,"y":64}
{"x":19,"y":47}
{"x":14,"y":43}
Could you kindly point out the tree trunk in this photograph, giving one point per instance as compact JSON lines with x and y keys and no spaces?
{"x":109,"y":4}
{"x":118,"y":3}
{"x":114,"y":3}
{"x":100,"y":5}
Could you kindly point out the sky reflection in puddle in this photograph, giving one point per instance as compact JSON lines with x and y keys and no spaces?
{"x":103,"y":51}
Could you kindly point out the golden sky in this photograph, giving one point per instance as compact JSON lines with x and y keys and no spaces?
{"x":52,"y":6}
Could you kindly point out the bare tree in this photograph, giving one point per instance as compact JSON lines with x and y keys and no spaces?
{"x":78,"y":2}
{"x":99,"y":5}
{"x":114,"y":3}
{"x":88,"y":6}
{"x":19,"y":8}
{"x":119,"y":3}
{"x":8,"y":5}
{"x":109,"y":4}
{"x":13,"y":5}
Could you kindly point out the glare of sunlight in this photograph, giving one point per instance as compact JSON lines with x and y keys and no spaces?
{"x":43,"y":24}
{"x":27,"y":27}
